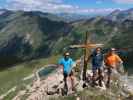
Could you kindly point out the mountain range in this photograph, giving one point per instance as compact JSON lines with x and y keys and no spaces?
{"x":119,"y":15}
{"x":27,"y":35}
{"x":69,"y":17}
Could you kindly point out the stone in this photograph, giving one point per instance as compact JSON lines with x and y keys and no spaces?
{"x":79,"y":87}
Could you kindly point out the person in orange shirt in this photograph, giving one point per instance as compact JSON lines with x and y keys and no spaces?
{"x":112,"y":61}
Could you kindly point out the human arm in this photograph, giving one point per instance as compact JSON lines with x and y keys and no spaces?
{"x":89,"y":57}
{"x":73,"y":63}
{"x":119,"y":60}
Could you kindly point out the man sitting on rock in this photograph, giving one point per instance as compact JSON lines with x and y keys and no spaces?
{"x":112,"y":61}
{"x":67,"y":64}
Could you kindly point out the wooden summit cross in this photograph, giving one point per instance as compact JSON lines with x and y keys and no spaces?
{"x":86,"y":47}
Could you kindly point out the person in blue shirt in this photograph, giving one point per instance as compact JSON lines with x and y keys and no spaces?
{"x":97,"y":63}
{"x":67,"y":64}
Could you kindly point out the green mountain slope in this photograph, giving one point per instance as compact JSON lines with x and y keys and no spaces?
{"x":26,"y":35}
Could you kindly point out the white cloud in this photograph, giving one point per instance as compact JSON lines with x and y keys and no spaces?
{"x":124,"y":1}
{"x":53,"y":6}
{"x":99,"y":11}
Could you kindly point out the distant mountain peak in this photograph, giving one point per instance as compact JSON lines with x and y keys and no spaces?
{"x":121,"y":15}
{"x":115,"y":12}
{"x":2,"y":11}
{"x":131,"y":9}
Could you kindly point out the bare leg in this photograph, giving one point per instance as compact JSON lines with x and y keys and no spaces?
{"x":94,"y":77}
{"x":100,"y":77}
{"x":72,"y":82}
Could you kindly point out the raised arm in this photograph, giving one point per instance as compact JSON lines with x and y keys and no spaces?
{"x":89,"y":57}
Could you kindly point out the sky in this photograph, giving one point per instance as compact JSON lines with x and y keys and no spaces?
{"x":67,"y":6}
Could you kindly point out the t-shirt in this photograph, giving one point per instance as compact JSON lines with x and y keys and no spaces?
{"x":67,"y":64}
{"x":113,"y":60}
{"x":97,"y":60}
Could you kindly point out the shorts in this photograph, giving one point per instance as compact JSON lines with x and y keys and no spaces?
{"x":97,"y":69}
{"x":66,"y":74}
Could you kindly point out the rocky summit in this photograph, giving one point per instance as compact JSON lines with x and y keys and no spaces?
{"x":52,"y":87}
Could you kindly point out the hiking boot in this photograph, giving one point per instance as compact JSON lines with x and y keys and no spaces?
{"x":100,"y":84}
{"x":84,"y":85}
{"x":108,"y":84}
{"x":65,"y":90}
{"x":94,"y":84}
{"x":74,"y":89}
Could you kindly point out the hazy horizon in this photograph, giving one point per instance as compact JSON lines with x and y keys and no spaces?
{"x":85,"y":7}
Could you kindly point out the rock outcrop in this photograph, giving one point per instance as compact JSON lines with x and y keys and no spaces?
{"x":52,"y":86}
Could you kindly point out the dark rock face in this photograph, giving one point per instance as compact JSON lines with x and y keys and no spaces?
{"x":27,"y":35}
{"x":14,"y":50}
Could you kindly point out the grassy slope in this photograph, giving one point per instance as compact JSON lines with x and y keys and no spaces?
{"x":13,"y":76}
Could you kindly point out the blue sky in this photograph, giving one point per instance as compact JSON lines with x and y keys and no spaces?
{"x":101,"y":3}
{"x":70,"y":6}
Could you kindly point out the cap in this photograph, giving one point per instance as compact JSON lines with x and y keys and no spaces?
{"x":98,"y":49}
{"x":67,"y":54}
{"x":112,"y":49}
